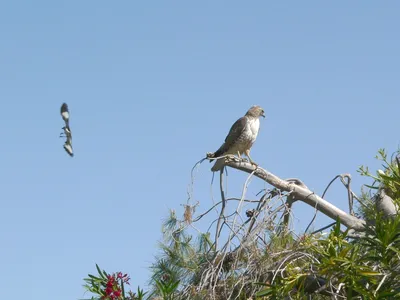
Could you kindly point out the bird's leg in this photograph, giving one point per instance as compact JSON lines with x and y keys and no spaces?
{"x":247,"y":152}
{"x":242,"y":158}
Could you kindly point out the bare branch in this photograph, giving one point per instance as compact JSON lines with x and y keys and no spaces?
{"x":349,"y":192}
{"x":301,"y":193}
{"x":221,"y":215}
{"x":257,"y":211}
{"x":286,"y":214}
{"x":323,"y":228}
{"x":297,"y":182}
{"x":312,"y":220}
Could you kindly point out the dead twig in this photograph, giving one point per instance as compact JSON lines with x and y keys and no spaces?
{"x":221,"y":215}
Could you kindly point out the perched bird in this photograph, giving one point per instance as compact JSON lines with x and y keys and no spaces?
{"x":240,"y":138}
{"x":67,"y":130}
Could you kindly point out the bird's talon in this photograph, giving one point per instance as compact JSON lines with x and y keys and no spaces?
{"x":254,"y":164}
{"x":231,"y":157}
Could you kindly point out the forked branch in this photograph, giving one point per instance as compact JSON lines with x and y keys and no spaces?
{"x":299,"y":192}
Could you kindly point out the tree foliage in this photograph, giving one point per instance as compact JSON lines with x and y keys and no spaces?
{"x":254,"y":254}
{"x":284,"y":265}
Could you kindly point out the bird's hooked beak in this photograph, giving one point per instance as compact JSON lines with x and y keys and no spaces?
{"x":263,"y":115}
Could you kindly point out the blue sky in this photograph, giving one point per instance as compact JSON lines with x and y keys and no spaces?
{"x":154,"y":86}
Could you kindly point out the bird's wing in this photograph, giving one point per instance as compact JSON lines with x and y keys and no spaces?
{"x":65,"y":113}
{"x":68,"y":148}
{"x":234,"y":133}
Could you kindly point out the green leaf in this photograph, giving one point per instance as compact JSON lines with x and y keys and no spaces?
{"x":264,"y":292}
{"x":99,"y":271}
{"x":95,"y":278}
{"x":370,"y":273}
{"x":174,"y":285}
{"x":371,"y":187}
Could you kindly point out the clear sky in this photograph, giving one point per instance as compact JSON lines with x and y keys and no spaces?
{"x":152,"y":87}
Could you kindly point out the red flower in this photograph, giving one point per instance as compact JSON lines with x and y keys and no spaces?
{"x":117,"y":293}
{"x":109,"y":290}
{"x":113,"y":290}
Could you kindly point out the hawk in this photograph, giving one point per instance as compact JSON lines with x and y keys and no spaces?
{"x":240,"y":138}
{"x":67,"y":131}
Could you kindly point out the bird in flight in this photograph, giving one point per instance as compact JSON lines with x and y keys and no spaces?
{"x":67,"y":131}
{"x":240,"y":138}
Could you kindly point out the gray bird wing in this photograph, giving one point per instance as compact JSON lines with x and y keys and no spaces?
{"x":68,"y":148}
{"x":65,"y":113}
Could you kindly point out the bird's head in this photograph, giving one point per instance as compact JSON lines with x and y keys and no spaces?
{"x":256,"y":112}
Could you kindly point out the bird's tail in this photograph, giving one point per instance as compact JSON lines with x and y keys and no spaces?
{"x":219,"y":164}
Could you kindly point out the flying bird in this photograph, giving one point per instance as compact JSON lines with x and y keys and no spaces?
{"x":67,"y":131}
{"x":240,"y":138}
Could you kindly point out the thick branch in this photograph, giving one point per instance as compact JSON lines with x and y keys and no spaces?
{"x":302,"y":194}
